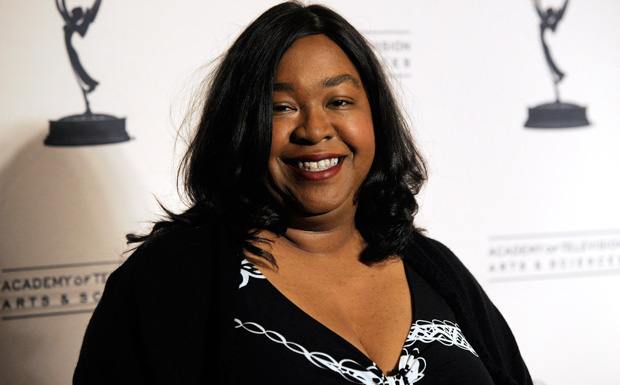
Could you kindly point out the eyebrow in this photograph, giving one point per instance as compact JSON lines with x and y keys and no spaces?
{"x":282,"y":87}
{"x":327,"y":82}
{"x":335,"y":81}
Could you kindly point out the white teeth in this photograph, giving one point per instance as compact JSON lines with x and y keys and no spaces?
{"x":321,"y":165}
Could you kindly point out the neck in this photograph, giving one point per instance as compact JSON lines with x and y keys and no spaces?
{"x":322,"y":242}
{"x":317,"y":237}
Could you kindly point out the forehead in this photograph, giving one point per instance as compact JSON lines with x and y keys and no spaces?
{"x":313,"y":58}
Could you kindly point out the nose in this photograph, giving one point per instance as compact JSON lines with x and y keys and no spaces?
{"x":313,"y":127}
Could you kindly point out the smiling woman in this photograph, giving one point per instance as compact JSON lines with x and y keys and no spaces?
{"x":297,"y":260}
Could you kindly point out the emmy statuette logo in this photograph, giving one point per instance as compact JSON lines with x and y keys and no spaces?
{"x":557,"y":114}
{"x":86,"y":128}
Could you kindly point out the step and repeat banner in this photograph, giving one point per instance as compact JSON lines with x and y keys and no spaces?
{"x":515,"y":105}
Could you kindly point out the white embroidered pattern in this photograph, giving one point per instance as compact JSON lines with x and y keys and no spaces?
{"x":248,"y":270}
{"x":445,"y":332}
{"x":410,"y":368}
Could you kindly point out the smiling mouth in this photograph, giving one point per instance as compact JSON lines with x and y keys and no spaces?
{"x":316,"y":166}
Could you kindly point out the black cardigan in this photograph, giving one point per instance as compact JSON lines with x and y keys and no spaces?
{"x":166,"y":314}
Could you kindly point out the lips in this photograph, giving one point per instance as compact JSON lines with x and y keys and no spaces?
{"x":316,"y":167}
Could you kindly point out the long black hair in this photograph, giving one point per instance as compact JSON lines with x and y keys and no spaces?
{"x":224,"y":169}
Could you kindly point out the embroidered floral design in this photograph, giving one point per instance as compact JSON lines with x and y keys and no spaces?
{"x":445,"y":332}
{"x":248,"y":270}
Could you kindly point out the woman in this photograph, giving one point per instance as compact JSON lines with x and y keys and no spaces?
{"x":298,"y":261}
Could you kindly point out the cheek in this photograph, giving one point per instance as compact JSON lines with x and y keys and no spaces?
{"x":367,"y":130}
{"x":367,"y":149}
{"x":370,"y":150}
{"x":279,"y":138}
{"x":365,"y":138}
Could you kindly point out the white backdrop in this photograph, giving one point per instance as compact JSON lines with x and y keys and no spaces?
{"x":533,"y":213}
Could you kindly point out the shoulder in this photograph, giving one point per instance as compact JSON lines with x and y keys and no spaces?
{"x":177,"y":242}
{"x":439,"y":266}
{"x":429,"y":253}
{"x":168,"y":268}
{"x":420,"y":241}
{"x":179,"y":247}
{"x":182,"y":264}
{"x":447,"y":274}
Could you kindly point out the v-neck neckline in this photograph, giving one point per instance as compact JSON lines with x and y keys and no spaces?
{"x":337,"y":337}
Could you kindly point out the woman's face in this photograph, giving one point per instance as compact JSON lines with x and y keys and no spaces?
{"x":323,"y":142}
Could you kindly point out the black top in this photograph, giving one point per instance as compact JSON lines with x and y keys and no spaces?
{"x":166,"y":315}
{"x":277,"y":342}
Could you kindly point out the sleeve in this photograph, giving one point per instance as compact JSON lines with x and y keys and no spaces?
{"x":112,"y":352}
{"x":151,"y":324}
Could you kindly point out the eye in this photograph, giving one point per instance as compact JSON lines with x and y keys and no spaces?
{"x":340,"y":103}
{"x":280,"y":108}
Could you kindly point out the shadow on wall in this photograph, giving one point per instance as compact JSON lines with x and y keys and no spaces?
{"x":65,"y":204}
{"x":60,"y":205}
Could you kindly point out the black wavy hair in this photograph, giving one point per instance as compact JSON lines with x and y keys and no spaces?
{"x":225,"y":166}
